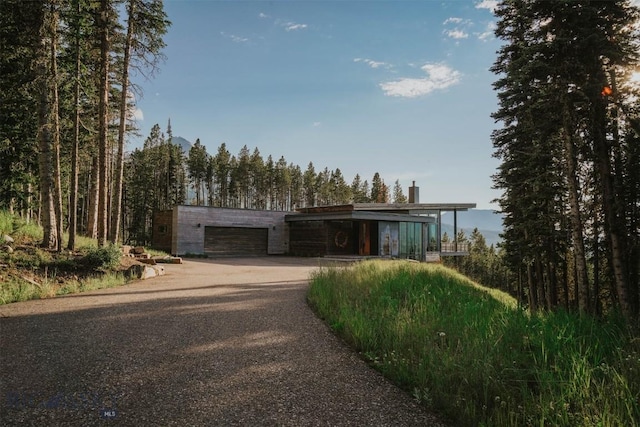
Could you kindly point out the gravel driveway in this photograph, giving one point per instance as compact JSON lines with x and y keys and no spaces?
{"x":213,"y":342}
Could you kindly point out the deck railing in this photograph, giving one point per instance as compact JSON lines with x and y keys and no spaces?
{"x":451,"y":247}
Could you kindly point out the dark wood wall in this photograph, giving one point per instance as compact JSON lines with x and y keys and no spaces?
{"x":341,"y":238}
{"x":307,"y":238}
{"x":161,"y":231}
{"x":320,"y":238}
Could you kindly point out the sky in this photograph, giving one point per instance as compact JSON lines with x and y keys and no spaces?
{"x":401,"y":87}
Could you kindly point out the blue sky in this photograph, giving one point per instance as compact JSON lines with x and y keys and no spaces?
{"x":402,"y":88}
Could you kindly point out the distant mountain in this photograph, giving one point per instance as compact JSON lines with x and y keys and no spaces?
{"x":487,"y":221}
{"x":186,"y":145}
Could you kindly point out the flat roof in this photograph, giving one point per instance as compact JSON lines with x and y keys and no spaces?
{"x":357,"y":215}
{"x":401,"y":208}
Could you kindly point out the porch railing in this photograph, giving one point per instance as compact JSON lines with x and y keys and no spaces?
{"x":451,"y":247}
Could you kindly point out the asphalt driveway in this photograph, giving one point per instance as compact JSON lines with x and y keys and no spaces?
{"x":213,"y":342}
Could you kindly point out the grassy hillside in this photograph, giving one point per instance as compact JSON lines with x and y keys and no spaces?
{"x":30,"y":272}
{"x":471,"y":354}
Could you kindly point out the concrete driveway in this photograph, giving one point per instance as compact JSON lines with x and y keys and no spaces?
{"x":213,"y":342}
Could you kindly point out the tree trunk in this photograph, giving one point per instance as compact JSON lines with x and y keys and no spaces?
{"x":103,"y":111}
{"x":610,"y":207}
{"x":571,"y":163}
{"x":73,"y":200}
{"x":56,"y":125}
{"x":122,"y":129}
{"x":92,"y":219}
{"x":45,"y":155}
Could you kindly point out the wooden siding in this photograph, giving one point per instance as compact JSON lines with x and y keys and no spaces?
{"x":342,"y":238}
{"x":190,"y":222}
{"x":320,"y":238}
{"x":161,"y":230}
{"x":308,"y":238}
{"x":235,"y":241}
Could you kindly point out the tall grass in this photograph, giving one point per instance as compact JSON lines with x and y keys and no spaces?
{"x":474,"y":356}
{"x":18,"y":228}
{"x":15,"y":289}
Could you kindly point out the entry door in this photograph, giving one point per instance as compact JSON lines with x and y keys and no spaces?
{"x":364,"y":238}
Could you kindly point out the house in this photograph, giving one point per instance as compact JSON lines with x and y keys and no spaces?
{"x":407,"y":230}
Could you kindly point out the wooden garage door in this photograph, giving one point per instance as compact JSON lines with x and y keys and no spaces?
{"x":235,"y":241}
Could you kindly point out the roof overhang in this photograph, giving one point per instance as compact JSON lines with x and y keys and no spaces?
{"x":358,"y":216}
{"x":400,"y":208}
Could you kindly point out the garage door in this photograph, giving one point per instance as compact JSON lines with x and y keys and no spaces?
{"x":235,"y":241}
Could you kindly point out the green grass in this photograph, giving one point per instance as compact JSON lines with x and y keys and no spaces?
{"x":16,"y":289}
{"x":471,"y":354}
{"x":19,"y":229}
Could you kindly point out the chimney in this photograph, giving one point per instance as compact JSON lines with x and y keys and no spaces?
{"x":414,"y":193}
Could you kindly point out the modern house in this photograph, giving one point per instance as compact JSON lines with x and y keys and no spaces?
{"x":407,"y":230}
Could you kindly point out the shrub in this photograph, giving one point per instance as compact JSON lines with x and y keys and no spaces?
{"x":104,"y":258}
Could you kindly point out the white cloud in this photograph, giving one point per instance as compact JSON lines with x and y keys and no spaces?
{"x":292,"y":26}
{"x":487,"y":4}
{"x":488,"y":34}
{"x":452,"y":20}
{"x":456,"y":34}
{"x":371,"y":63}
{"x":439,"y":77}
{"x":263,"y":16}
{"x":317,"y":124}
{"x":137,"y":115}
{"x":234,"y":38}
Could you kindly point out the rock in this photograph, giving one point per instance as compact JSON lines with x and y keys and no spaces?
{"x":8,"y":249}
{"x":148,"y":261}
{"x":8,"y":239}
{"x":126,"y":249}
{"x":140,"y":271}
{"x":138,"y":250}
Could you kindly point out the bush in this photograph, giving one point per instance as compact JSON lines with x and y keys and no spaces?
{"x":104,"y":258}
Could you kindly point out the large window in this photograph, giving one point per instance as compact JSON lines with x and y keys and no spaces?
{"x":410,"y":240}
{"x":432,"y":237}
{"x":389,"y":241}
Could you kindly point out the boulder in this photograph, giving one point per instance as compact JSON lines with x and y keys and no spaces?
{"x":126,"y":249}
{"x":138,"y":250}
{"x":142,"y":271}
{"x":7,"y":239}
{"x":8,"y":249}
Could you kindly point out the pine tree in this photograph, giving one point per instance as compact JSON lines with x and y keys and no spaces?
{"x":309,"y":185}
{"x":398,"y":194}
{"x":558,"y":142}
{"x":197,"y":163}
{"x":20,"y":24}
